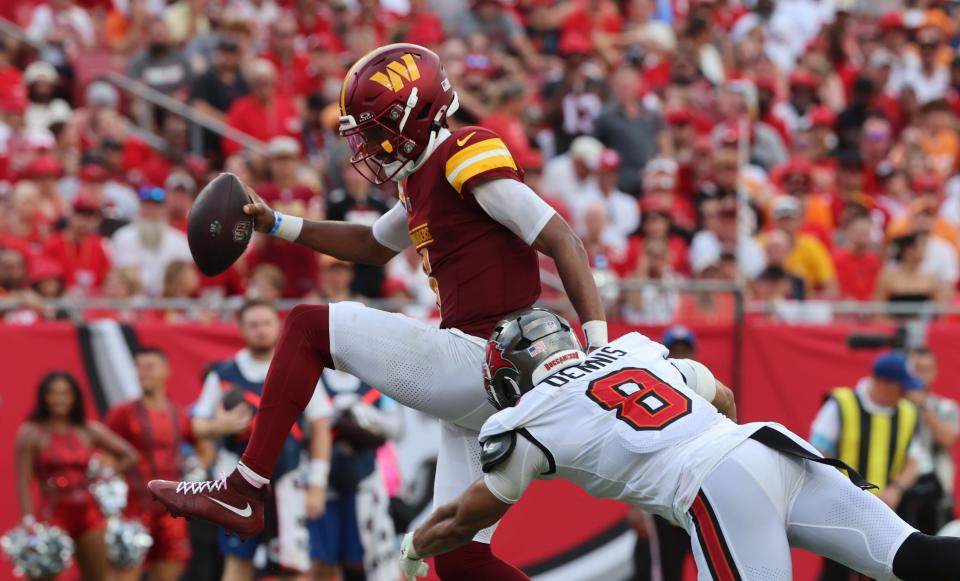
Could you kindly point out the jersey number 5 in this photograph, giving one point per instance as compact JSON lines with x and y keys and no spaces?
{"x":640,"y":398}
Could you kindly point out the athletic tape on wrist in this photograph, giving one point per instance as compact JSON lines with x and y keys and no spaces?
{"x":319,"y":473}
{"x":286,"y":226}
{"x":596,"y":333}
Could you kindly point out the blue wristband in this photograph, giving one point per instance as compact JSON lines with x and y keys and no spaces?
{"x":277,"y":218}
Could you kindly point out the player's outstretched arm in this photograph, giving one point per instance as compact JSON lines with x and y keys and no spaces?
{"x":456,"y":523}
{"x":706,"y":385}
{"x":558,"y":241}
{"x":350,"y":242}
{"x":724,"y":401}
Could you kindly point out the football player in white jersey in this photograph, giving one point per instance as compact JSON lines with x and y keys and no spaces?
{"x":630,"y":424}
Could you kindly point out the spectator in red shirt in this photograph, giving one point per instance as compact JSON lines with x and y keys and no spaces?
{"x":506,"y":121}
{"x":323,"y":74}
{"x":857,"y":263}
{"x":682,"y":130}
{"x":313,"y":19}
{"x":78,"y":249}
{"x":181,"y":189}
{"x":660,"y":183}
{"x":290,"y":64}
{"x":298,"y":264}
{"x":156,"y":427}
{"x":263,"y":114}
{"x":420,"y":26}
{"x":25,"y":222}
{"x":45,"y":172}
{"x":46,"y":280}
{"x":11,"y":81}
{"x":286,"y":190}
{"x":597,"y":20}
{"x":155,"y":166}
{"x":657,"y":224}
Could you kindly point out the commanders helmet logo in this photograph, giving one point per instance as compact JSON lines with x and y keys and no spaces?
{"x":397,"y":72}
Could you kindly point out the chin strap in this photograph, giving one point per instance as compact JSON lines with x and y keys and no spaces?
{"x":412,"y":166}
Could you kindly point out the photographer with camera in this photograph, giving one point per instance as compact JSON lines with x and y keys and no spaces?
{"x":928,"y":504}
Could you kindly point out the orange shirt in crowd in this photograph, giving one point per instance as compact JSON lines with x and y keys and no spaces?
{"x":941,"y":149}
{"x":941,"y":229}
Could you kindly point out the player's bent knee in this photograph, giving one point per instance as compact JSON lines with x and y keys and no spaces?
{"x":309,"y":325}
{"x":927,"y":558}
{"x":305,"y":317}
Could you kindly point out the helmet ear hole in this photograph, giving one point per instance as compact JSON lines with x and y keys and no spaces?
{"x":424,"y":111}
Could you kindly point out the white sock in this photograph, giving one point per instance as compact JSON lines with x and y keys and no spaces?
{"x":252,"y":477}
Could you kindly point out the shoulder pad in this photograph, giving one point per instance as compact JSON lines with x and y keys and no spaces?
{"x":496,"y":449}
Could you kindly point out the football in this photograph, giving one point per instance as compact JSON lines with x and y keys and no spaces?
{"x":217,"y":229}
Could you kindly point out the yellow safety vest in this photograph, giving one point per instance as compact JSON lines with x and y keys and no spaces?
{"x":875,"y":444}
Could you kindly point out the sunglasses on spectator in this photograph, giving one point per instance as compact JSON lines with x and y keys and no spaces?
{"x":877,"y":136}
{"x":86,"y":212}
{"x":476,"y":61}
{"x":152,"y":194}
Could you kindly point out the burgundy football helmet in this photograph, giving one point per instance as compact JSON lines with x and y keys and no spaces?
{"x":393,"y":103}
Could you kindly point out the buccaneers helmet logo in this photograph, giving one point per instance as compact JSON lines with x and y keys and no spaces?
{"x":496,"y":361}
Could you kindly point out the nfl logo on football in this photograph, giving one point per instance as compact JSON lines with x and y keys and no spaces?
{"x":241,"y":232}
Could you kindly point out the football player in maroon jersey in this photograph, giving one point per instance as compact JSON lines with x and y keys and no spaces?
{"x":477,"y":228}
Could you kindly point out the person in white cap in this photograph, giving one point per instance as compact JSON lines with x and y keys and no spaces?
{"x":45,"y":108}
{"x":573,"y":175}
{"x":289,"y":187}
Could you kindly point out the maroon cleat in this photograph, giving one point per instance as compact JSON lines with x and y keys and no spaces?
{"x":231,"y":502}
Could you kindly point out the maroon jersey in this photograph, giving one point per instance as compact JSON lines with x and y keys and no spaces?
{"x":479,"y":269}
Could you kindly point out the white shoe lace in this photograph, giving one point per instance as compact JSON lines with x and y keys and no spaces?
{"x":203,"y":486}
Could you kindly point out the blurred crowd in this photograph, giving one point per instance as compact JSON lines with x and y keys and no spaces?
{"x":639,"y":120}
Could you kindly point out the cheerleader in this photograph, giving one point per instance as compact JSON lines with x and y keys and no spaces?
{"x":55,"y":446}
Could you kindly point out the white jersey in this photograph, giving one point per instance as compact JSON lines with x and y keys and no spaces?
{"x":624,"y":424}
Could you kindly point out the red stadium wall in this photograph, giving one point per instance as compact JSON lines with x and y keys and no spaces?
{"x":785,"y":370}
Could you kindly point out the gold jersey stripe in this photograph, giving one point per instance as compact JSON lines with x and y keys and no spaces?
{"x":466,"y":153}
{"x":496,"y":161}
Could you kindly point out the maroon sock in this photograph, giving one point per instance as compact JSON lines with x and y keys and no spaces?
{"x":302,"y":353}
{"x":475,"y":562}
